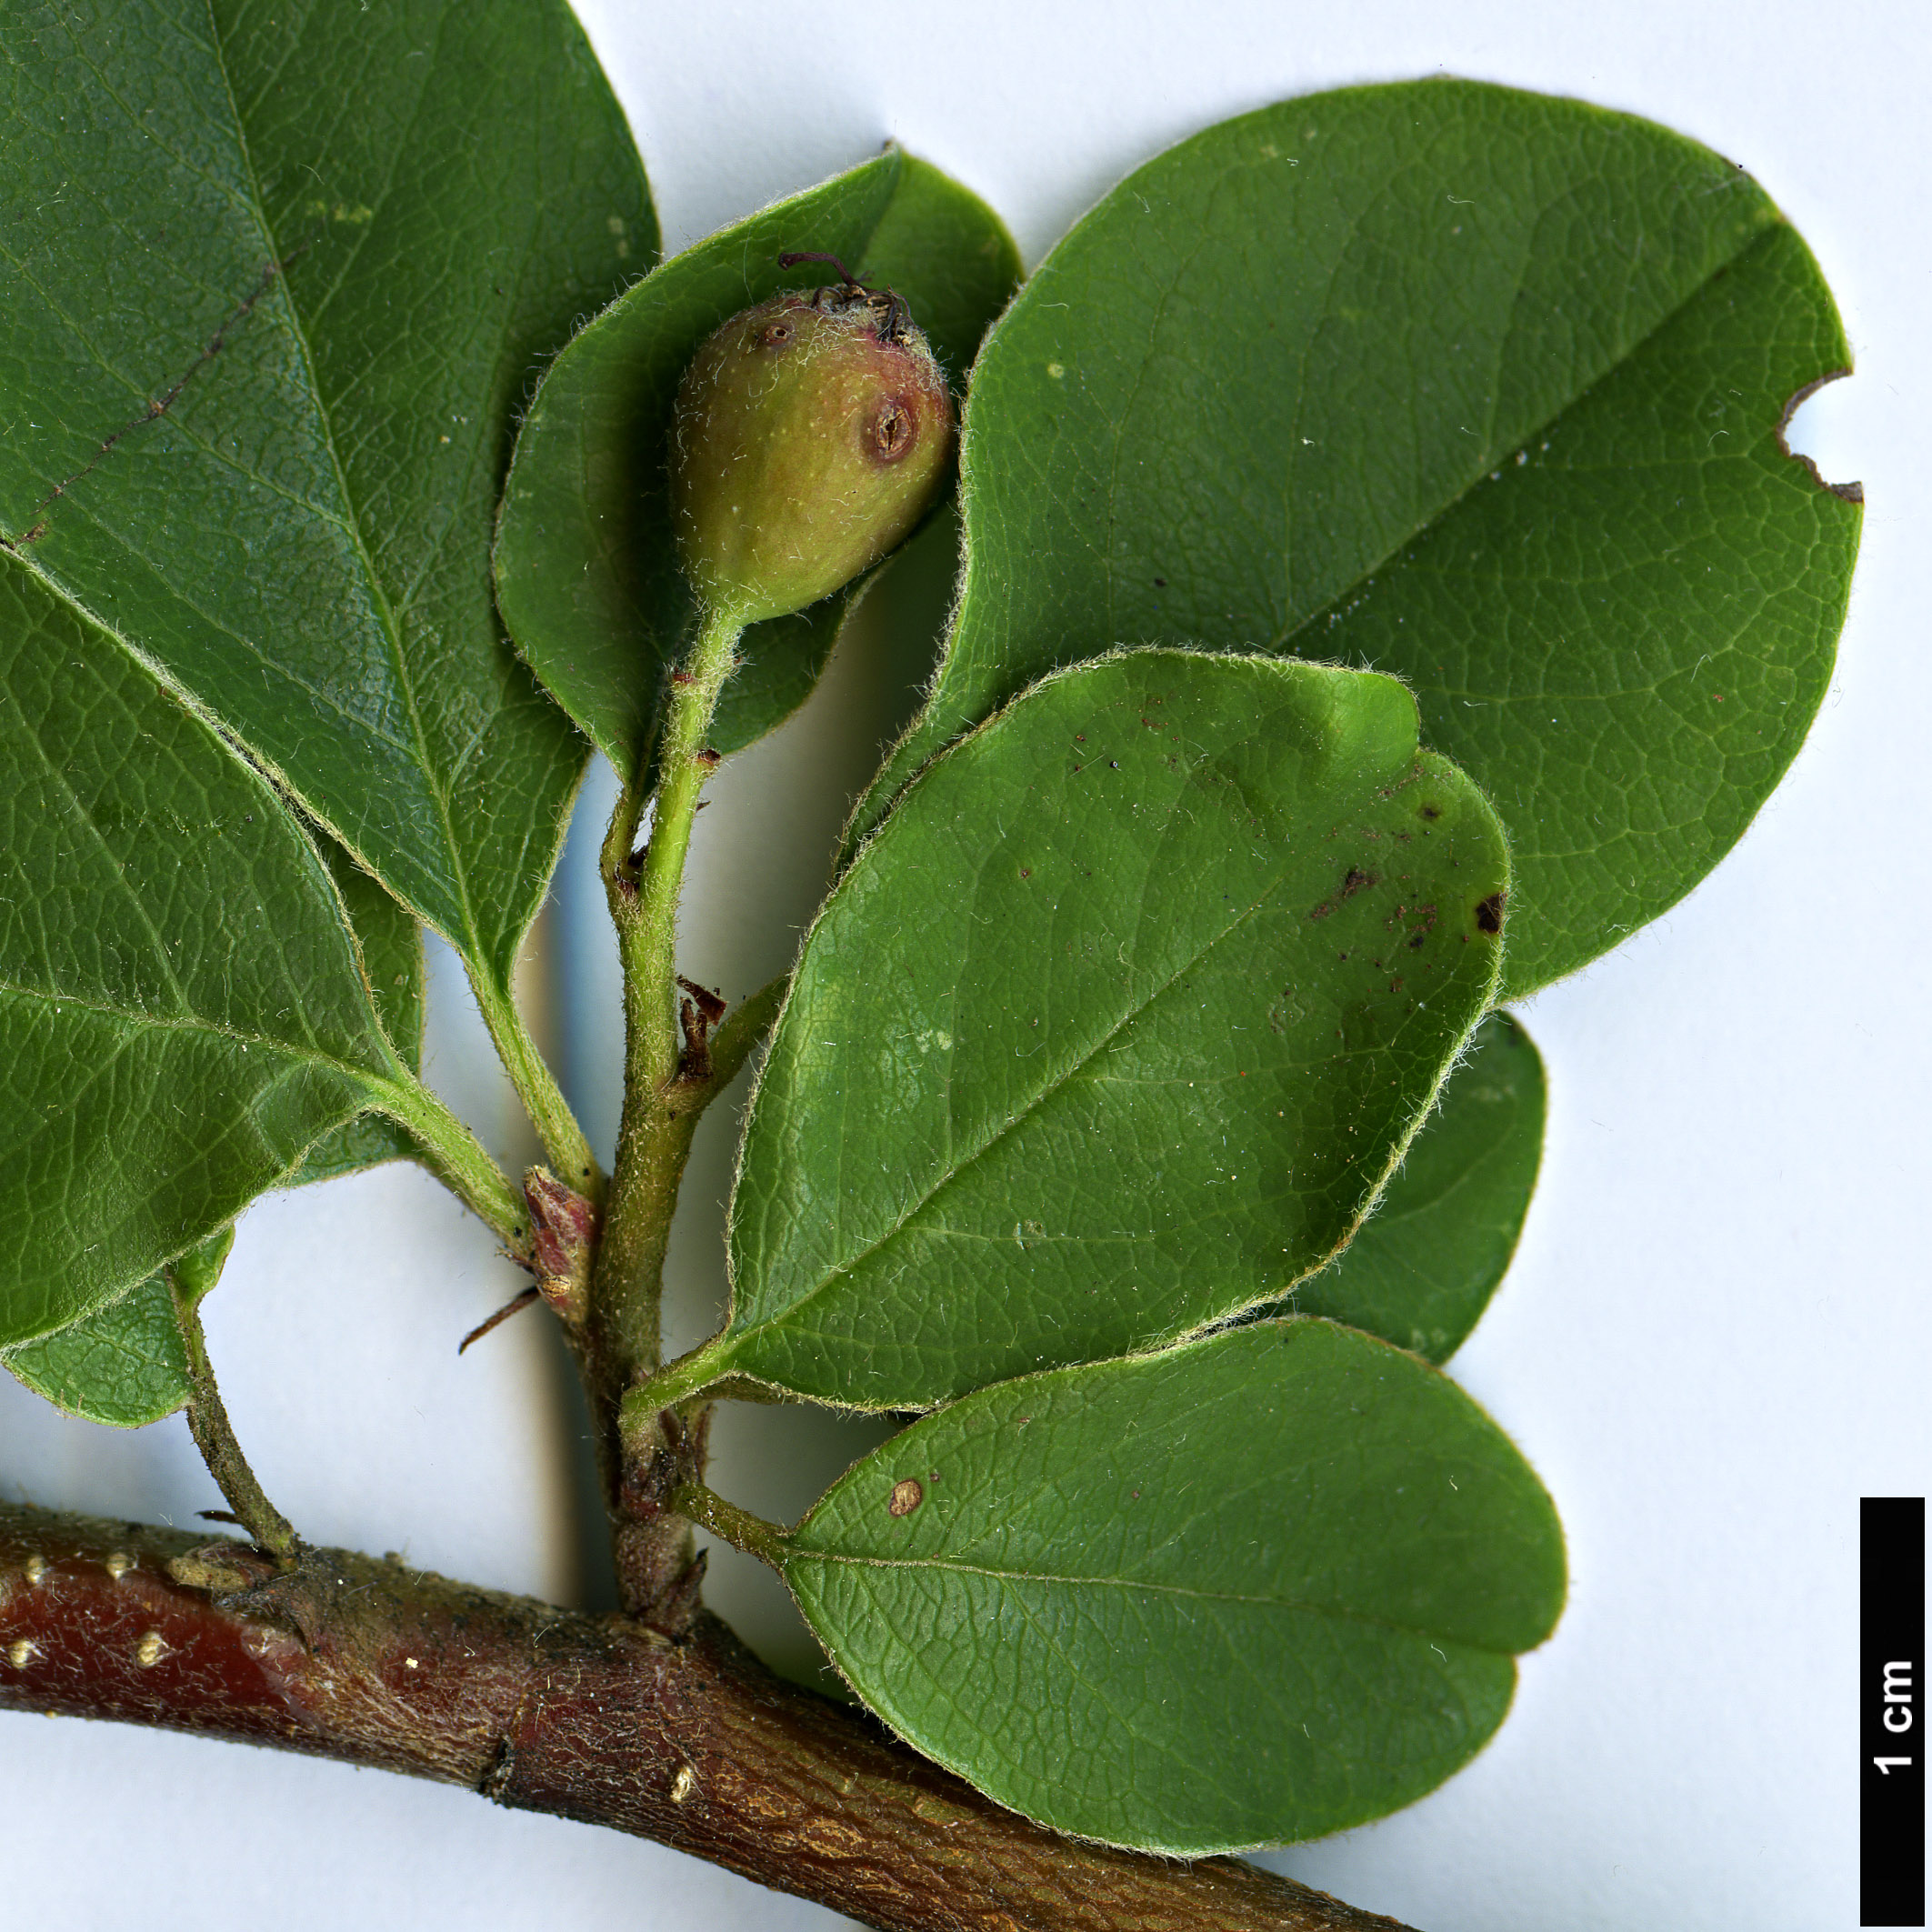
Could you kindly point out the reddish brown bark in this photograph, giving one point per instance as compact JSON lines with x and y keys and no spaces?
{"x":693,"y":1744}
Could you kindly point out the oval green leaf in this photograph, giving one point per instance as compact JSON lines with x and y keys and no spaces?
{"x":125,"y":1364}
{"x":1257,"y":1588}
{"x":1114,"y":1030}
{"x":586,"y":564}
{"x":183,"y":1010}
{"x":275,"y":284}
{"x":1421,"y":1269}
{"x":1480,"y":388}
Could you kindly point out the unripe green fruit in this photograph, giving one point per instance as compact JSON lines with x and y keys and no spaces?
{"x":812,"y":434}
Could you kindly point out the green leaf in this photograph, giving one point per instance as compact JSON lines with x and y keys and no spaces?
{"x":125,"y":1364}
{"x":586,"y":564}
{"x":367,"y":1141}
{"x":195,"y":1272}
{"x":1114,"y":1030}
{"x":1479,"y":387}
{"x":182,"y":1009}
{"x":1254,"y":1589}
{"x":275,"y":283}
{"x":1421,"y":1269}
{"x":392,"y":955}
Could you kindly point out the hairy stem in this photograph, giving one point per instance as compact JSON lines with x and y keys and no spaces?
{"x":649,"y":935}
{"x":738,"y":1527}
{"x":670,"y":1076}
{"x":460,"y":1158}
{"x":694,"y":1744}
{"x":564,"y":1145}
{"x":741,"y":1029}
{"x":188,"y":1280}
{"x":677,"y":1382}
{"x":654,"y":1136}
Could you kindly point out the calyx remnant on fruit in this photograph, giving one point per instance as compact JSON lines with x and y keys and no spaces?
{"x":812,"y":434}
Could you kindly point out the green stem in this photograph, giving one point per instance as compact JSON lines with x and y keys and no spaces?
{"x":660,"y":1108}
{"x":742,"y":1028}
{"x":663,"y":1094}
{"x":738,"y":1527}
{"x":649,"y":937}
{"x":189,"y":1279}
{"x":565,"y":1144}
{"x":732,"y":1044}
{"x":460,"y":1158}
{"x":689,"y":1374}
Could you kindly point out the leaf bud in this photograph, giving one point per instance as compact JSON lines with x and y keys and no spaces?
{"x":812,"y":434}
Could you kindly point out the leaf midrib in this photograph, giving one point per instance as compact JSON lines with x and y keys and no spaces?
{"x":283,"y":672}
{"x":467,"y":941}
{"x":249,"y":202}
{"x":1298,"y":1606}
{"x":133,"y":1018}
{"x":1284,"y":640}
{"x":1012,"y":1121}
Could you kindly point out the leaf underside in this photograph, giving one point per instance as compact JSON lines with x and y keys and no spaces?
{"x":392,"y":953}
{"x":182,"y":1008}
{"x":586,"y":563}
{"x":1113,"y":1031}
{"x":1254,"y":1590}
{"x":276,"y":282}
{"x":1479,"y":387}
{"x":125,"y":1364}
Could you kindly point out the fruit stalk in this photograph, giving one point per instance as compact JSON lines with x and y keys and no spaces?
{"x":653,"y":1135}
{"x":812,"y":434}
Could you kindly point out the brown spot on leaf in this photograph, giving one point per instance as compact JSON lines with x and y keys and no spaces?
{"x":908,"y":1494}
{"x":1489,"y":914}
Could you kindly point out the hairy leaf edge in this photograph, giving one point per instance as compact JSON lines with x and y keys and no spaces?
{"x":1233,"y":1847}
{"x":1201,"y":1330}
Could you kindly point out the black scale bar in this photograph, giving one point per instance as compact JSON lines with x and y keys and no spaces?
{"x":1892,"y":1710}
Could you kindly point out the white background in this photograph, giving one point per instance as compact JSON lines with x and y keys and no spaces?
{"x":1715,"y":1336}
